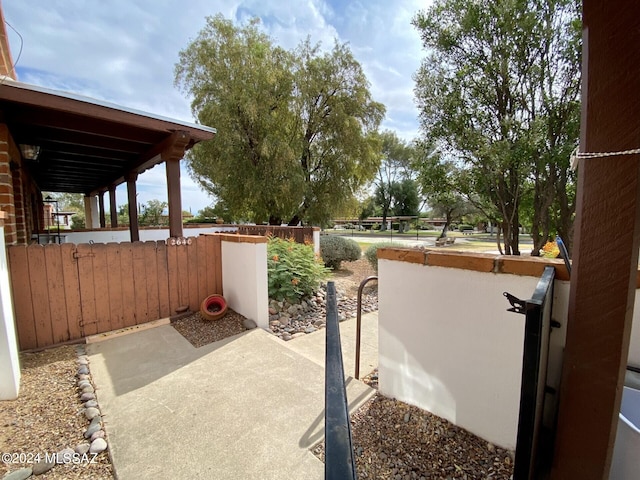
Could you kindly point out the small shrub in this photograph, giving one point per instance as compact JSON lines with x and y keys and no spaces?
{"x":371,"y":253}
{"x":294,"y":270}
{"x":334,"y":250}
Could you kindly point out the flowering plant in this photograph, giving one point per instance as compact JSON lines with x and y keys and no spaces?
{"x":294,"y":270}
{"x":550,"y":250}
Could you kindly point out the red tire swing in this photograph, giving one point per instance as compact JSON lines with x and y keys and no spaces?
{"x":214,"y":307}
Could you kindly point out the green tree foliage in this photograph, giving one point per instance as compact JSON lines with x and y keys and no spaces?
{"x":439,"y":182}
{"x":294,"y":128}
{"x":152,"y":213}
{"x":67,"y":202}
{"x":371,"y":253}
{"x":499,"y":91}
{"x":396,"y":159}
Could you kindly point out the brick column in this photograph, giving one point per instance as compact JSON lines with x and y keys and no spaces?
{"x":6,"y":188}
{"x":19,"y":201}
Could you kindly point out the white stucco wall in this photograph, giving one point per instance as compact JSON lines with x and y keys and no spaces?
{"x":448,"y":345}
{"x":634,"y":345}
{"x":106,"y":236}
{"x":244,"y":279}
{"x":9,"y":360}
{"x":316,"y":241}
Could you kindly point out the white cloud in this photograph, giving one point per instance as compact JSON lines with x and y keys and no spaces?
{"x":124,"y":51}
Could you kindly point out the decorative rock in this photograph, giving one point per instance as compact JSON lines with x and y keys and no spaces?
{"x":310,"y":329}
{"x":491,"y":447}
{"x":272,"y":311}
{"x":83,"y":376}
{"x":83,"y":370}
{"x":98,"y":434}
{"x":82,"y":448}
{"x":98,"y":445}
{"x":286,"y":336}
{"x":87,"y":396}
{"x":21,"y":474}
{"x":318,"y":323}
{"x":87,"y":389}
{"x":94,"y":426}
{"x":407,"y":417}
{"x":182,"y":309}
{"x":274,"y":323}
{"x":249,"y":324}
{"x":82,"y":361}
{"x":42,"y":467}
{"x":84,"y":383}
{"x":91,"y":413}
{"x":90,"y":403}
{"x":65,"y":455}
{"x":299,"y":334}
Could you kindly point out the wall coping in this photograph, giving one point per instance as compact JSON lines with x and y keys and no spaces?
{"x":479,"y":262}
{"x":235,"y":238}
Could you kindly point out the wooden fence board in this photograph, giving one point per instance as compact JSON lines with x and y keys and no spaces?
{"x":40,"y":295}
{"x":163,"y":280}
{"x":87,"y":288}
{"x":192,"y":279}
{"x":71,"y":290}
{"x":183,"y":275}
{"x":128,"y":287}
{"x":57,"y":301}
{"x":114,"y":277}
{"x":140,"y":283}
{"x":101,"y":285}
{"x":201,"y":269}
{"x":151,"y":278}
{"x":21,"y":286}
{"x":174,"y":279}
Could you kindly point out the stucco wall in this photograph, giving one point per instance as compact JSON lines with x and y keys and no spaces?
{"x":157,"y":234}
{"x":9,"y":360}
{"x":244,"y":276}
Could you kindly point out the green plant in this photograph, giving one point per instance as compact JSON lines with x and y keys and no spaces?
{"x":334,"y":250}
{"x":293,"y":269}
{"x":371,"y":253}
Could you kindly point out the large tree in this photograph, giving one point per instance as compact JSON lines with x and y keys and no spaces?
{"x":394,"y":167}
{"x":295,"y":128}
{"x":499,"y":90}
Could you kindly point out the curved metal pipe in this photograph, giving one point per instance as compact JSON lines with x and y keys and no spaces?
{"x":359,"y":322}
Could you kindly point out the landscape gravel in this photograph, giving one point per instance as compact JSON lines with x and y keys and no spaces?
{"x":202,"y":332}
{"x":47,"y":418}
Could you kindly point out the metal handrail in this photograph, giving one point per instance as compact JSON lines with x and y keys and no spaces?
{"x":359,"y":322}
{"x":339,"y":463}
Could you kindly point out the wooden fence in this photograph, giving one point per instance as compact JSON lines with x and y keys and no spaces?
{"x":299,"y":234}
{"x":66,"y":292}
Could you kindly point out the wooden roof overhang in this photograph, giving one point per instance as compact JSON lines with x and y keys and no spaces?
{"x":87,"y":145}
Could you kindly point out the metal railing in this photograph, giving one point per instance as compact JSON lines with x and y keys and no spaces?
{"x":339,"y":461}
{"x":359,"y":323}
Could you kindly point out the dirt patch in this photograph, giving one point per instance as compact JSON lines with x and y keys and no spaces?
{"x":348,"y":278}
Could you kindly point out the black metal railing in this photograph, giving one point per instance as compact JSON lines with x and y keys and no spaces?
{"x":359,"y":323}
{"x":531,"y":460}
{"x":339,"y":462}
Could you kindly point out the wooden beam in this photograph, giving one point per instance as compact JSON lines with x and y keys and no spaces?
{"x":113,"y":209}
{"x":607,"y":239}
{"x":134,"y":227}
{"x":175,"y":198}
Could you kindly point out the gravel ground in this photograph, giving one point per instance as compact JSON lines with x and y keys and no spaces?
{"x":201,"y":332}
{"x":393,"y":440}
{"x":47,"y":417}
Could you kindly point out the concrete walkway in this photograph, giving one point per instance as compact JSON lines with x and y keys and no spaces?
{"x":250,"y":406}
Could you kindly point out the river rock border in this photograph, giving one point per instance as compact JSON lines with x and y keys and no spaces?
{"x":291,"y":320}
{"x":94,"y":434}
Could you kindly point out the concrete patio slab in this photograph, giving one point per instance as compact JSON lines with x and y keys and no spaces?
{"x":312,"y":345}
{"x":246,"y":407}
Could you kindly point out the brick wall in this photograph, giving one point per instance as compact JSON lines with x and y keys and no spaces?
{"x":6,"y":188}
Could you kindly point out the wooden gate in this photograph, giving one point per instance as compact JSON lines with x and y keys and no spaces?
{"x":66,"y":292}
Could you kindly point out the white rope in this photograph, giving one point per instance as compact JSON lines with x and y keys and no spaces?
{"x":576,"y":155}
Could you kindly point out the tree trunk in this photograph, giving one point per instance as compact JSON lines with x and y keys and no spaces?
{"x":273,"y":220}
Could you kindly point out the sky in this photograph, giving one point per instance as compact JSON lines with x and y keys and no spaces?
{"x":125,"y":51}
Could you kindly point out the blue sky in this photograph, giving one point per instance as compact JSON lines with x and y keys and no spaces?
{"x":124,"y":51}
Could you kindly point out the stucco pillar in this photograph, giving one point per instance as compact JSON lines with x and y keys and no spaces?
{"x":91,"y":213}
{"x":9,"y":359}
